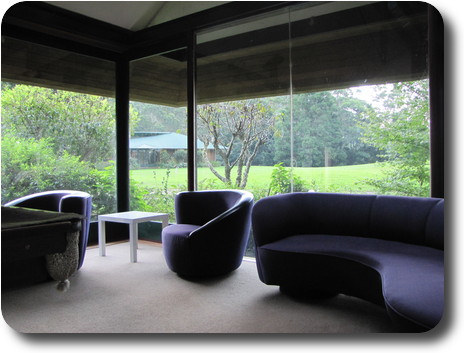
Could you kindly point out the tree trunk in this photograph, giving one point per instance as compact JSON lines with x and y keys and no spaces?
{"x":213,"y":170}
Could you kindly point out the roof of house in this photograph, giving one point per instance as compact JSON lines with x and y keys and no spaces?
{"x":162,"y":141}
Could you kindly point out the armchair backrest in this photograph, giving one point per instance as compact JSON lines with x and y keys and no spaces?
{"x":200,"y":207}
{"x":62,"y":201}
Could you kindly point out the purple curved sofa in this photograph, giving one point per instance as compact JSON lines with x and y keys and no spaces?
{"x":211,"y":233}
{"x":386,"y":249}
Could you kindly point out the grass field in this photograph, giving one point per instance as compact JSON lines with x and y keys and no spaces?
{"x":346,"y":178}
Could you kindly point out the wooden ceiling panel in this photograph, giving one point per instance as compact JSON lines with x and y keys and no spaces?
{"x":324,"y":57}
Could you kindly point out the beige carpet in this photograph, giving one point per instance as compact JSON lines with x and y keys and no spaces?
{"x":111,"y":295}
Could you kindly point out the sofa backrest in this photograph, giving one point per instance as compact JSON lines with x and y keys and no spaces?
{"x":412,"y":220}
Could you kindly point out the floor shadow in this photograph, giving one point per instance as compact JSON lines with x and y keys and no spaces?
{"x":207,"y":280}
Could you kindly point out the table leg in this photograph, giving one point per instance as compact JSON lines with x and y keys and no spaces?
{"x":133,"y":239}
{"x":101,"y":238}
{"x":165,"y":221}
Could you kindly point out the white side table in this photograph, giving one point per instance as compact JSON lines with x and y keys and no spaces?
{"x":133,"y":218}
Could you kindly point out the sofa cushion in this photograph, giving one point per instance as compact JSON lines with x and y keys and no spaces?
{"x":279,"y":216}
{"x":412,"y":276}
{"x":435,"y":228}
{"x":401,"y":219}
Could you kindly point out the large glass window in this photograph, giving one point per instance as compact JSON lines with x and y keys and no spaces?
{"x":243,"y":95}
{"x":158,"y":141}
{"x":57,"y":138}
{"x":360,"y":120}
{"x":329,"y":97}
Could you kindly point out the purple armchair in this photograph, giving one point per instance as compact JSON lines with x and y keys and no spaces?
{"x":62,"y":201}
{"x":212,"y":232}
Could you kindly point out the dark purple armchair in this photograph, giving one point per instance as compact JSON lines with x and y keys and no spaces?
{"x":62,"y":201}
{"x":211,"y":233}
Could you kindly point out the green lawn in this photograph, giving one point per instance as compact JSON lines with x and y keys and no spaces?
{"x":346,"y":178}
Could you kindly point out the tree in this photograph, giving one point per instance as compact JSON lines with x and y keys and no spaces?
{"x":236,"y":130}
{"x":81,"y":124}
{"x":155,"y":117}
{"x":401,"y":131}
{"x":325,"y":131}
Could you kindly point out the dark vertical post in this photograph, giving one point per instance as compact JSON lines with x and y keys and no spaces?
{"x":436,"y":82}
{"x":122,"y":135}
{"x":191,"y":114}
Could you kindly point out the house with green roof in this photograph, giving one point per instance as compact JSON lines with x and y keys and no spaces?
{"x":146,"y":148}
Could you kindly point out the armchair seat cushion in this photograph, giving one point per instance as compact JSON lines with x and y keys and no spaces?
{"x":176,"y":236}
{"x":180,"y":230}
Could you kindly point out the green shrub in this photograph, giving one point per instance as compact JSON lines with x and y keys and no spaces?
{"x":30,"y":166}
{"x":282,"y":179}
